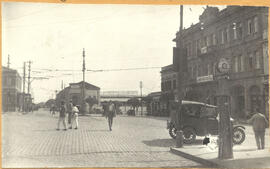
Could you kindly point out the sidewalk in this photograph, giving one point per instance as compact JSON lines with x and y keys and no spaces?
{"x":245,"y":156}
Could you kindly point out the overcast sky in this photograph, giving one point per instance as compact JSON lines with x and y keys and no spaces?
{"x":53,"y":36}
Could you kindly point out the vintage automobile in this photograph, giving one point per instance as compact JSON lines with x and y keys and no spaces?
{"x":199,"y":119}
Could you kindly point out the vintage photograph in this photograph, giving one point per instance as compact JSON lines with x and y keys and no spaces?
{"x":125,"y":85}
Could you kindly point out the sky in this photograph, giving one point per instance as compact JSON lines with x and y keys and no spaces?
{"x":115,"y":38}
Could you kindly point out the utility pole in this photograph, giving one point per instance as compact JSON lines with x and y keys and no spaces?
{"x":29,"y":76}
{"x":83,"y":85}
{"x":24,"y":86}
{"x":29,"y":83}
{"x":8,"y":63}
{"x":141,"y":86}
{"x":179,"y":126}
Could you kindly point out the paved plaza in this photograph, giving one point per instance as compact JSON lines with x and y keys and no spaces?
{"x":31,"y":140}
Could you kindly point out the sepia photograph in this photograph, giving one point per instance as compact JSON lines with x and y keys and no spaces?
{"x":133,"y":85}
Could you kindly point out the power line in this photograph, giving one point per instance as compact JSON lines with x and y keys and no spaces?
{"x":106,"y":70}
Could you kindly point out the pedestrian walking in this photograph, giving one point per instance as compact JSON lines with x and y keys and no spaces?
{"x":75,"y":116}
{"x":62,"y":116}
{"x":53,"y":109}
{"x":259,"y":123}
{"x":111,"y":114}
{"x":69,"y":111}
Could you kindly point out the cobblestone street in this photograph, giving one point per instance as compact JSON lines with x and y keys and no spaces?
{"x":32,"y":140}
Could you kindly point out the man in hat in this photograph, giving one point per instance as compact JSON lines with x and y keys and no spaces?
{"x":69,"y":111}
{"x":62,"y":116}
{"x":259,"y":123}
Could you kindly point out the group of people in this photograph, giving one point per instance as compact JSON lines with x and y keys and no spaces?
{"x":71,"y":110}
{"x":73,"y":113}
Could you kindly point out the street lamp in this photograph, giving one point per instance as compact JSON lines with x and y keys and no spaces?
{"x":225,"y":128}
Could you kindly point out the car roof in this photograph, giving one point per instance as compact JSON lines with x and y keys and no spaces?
{"x":186,"y":102}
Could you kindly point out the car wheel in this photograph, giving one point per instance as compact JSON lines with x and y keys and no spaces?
{"x":189,"y":135}
{"x":172,"y":131}
{"x":238,"y":136}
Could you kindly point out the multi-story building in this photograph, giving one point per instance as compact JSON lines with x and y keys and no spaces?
{"x":169,"y":87}
{"x":11,"y":88}
{"x":239,"y":35}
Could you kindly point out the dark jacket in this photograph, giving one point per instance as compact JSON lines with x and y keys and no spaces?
{"x":258,"y":122}
{"x":63,"y":110}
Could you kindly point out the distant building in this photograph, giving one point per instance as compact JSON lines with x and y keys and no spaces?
{"x":74,"y":92}
{"x":154,"y":104}
{"x":119,"y":96}
{"x":11,"y":88}
{"x":238,"y":34}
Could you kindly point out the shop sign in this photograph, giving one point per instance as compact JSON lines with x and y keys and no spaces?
{"x":208,"y":78}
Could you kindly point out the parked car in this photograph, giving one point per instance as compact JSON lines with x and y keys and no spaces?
{"x":199,"y":119}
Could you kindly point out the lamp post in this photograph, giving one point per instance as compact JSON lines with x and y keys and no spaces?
{"x":225,"y":150}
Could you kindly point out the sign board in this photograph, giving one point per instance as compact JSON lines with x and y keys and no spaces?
{"x":208,"y":78}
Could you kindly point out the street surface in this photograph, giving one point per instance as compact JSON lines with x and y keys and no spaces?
{"x":32,"y":140}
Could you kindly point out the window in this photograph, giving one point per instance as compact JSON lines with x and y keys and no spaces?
{"x":208,"y":41}
{"x":228,"y":35}
{"x":214,"y":68}
{"x":209,"y":69}
{"x":255,"y":24}
{"x":174,"y":84}
{"x":241,"y":63}
{"x":169,"y":85}
{"x":199,"y":70}
{"x":195,"y":47}
{"x":198,"y":46}
{"x":240,"y":31}
{"x":189,"y":49}
{"x":250,"y":61}
{"x":234,"y":31}
{"x":257,"y":60}
{"x":222,"y":37}
{"x":214,"y":39}
{"x":195,"y":71}
{"x":236,"y":64}
{"x":249,"y":27}
{"x":191,"y":72}
{"x":204,"y":43}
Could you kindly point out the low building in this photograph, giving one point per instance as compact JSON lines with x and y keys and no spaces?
{"x":11,"y":88}
{"x":74,"y":92}
{"x":153,"y":104}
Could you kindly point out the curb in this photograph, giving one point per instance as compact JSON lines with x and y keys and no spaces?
{"x":196,"y":159}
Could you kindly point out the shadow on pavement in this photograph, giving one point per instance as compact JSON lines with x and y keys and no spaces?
{"x":242,"y":150}
{"x":160,"y":142}
{"x":168,"y":142}
{"x":98,"y":130}
{"x":46,"y":130}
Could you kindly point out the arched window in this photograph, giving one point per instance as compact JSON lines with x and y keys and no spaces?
{"x":256,"y":24}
